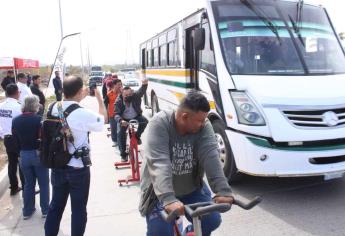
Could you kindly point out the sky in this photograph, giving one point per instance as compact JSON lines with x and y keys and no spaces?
{"x":111,"y":29}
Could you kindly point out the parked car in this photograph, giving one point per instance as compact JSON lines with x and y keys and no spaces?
{"x":97,"y":77}
{"x":131,"y":80}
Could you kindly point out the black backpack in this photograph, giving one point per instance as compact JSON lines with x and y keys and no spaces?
{"x":54,"y":149}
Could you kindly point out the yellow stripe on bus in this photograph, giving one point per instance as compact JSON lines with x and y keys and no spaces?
{"x":184,"y":73}
{"x":180,"y":96}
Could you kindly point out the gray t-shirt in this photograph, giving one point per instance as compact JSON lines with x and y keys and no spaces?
{"x":175,"y":164}
{"x":129,"y":112}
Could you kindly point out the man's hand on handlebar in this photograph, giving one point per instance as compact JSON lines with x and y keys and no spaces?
{"x":175,"y":206}
{"x":220,"y":199}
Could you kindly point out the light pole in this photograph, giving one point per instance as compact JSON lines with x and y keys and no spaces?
{"x":60,"y":19}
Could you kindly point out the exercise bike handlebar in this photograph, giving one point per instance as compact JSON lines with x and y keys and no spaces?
{"x":203,"y":208}
{"x":249,"y":205}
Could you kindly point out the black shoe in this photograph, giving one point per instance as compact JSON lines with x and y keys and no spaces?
{"x":15,"y":191}
{"x":124,"y":159}
{"x":139,"y":141}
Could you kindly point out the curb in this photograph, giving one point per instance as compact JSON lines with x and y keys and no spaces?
{"x":4,"y":181}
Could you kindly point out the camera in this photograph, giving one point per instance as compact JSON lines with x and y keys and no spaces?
{"x":92,"y":88}
{"x":84,"y":154}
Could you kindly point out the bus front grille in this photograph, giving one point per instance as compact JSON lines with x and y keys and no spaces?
{"x":316,"y":118}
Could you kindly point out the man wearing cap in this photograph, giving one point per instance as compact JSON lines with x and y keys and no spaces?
{"x":9,"y":109}
{"x":24,"y":90}
{"x":9,"y":79}
{"x":57,"y":86}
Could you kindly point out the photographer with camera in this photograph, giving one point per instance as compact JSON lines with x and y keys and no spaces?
{"x":74,"y":179}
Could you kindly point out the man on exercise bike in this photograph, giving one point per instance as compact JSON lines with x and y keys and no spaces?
{"x":128,"y":107}
{"x":180,"y":147}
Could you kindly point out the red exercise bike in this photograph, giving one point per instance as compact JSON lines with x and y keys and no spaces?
{"x":133,"y":154}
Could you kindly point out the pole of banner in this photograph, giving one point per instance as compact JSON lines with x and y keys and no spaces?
{"x":56,"y":57}
{"x":60,"y":19}
{"x":15,"y":70}
{"x":81,"y":57}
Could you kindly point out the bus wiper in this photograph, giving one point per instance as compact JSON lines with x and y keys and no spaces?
{"x":262,"y":15}
{"x":299,"y":14}
{"x":297,"y":30}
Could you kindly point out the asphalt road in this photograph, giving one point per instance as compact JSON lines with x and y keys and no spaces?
{"x":290,"y":206}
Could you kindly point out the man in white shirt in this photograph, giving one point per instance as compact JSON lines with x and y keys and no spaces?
{"x":24,"y":90}
{"x":74,"y":179}
{"x":9,"y":109}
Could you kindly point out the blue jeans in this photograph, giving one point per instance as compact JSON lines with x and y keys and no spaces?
{"x":157,"y":226}
{"x":32,"y":170}
{"x":73,"y":182}
{"x":113,"y":129}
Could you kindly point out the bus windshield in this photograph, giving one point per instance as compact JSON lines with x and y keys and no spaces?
{"x":277,"y":38}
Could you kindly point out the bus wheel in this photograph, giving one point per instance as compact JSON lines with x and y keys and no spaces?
{"x":154,"y":105}
{"x":226,"y":156}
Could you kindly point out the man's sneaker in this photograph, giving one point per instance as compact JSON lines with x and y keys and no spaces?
{"x":114,"y":144}
{"x":29,"y":216}
{"x":124,"y":159}
{"x":15,"y":191}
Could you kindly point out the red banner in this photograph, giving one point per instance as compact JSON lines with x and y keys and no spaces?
{"x":25,"y":63}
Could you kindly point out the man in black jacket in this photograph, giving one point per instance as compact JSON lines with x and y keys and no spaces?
{"x":9,"y":79}
{"x":128,"y":107}
{"x":57,"y":86}
{"x":35,"y":89}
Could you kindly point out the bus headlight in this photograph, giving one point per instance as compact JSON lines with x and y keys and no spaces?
{"x":247,"y":112}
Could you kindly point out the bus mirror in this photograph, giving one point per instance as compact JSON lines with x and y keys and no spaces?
{"x":199,"y":39}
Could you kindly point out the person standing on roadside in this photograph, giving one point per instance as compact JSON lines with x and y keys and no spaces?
{"x":114,"y":90}
{"x":108,"y":77}
{"x":29,"y":79}
{"x":57,"y":86}
{"x":74,"y":179}
{"x":9,"y":109}
{"x":35,"y":89}
{"x":9,"y":79}
{"x":26,"y":130}
{"x":24,"y":90}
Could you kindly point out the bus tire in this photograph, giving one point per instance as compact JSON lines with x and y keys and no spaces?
{"x":226,"y":156}
{"x":154,"y":105}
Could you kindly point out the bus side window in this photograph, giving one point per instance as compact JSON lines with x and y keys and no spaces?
{"x":147,"y":58}
{"x":207,"y":60}
{"x":163,"y":55}
{"x":155,"y":57}
{"x":143,"y":58}
{"x":171,"y":53}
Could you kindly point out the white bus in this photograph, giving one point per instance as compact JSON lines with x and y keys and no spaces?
{"x":274,"y":74}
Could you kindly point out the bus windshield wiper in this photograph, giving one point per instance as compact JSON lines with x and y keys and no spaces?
{"x":262,"y":15}
{"x":297,"y":25}
{"x":299,"y":14}
{"x":296,"y":30}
